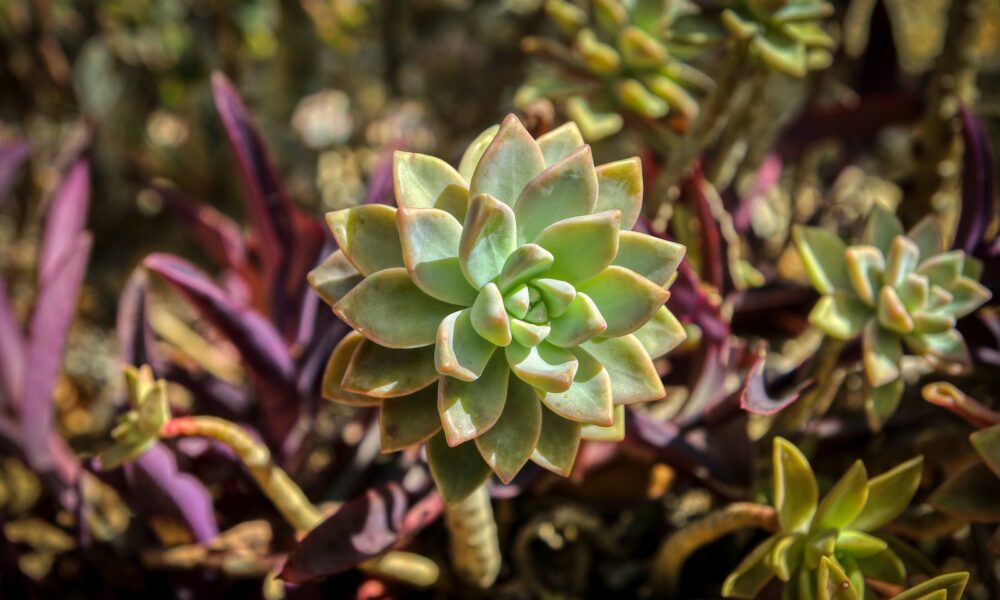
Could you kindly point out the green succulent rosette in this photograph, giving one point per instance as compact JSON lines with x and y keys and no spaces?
{"x":825,"y":549}
{"x":896,"y":289}
{"x":616,"y":58}
{"x":139,"y":428}
{"x":504,"y":311}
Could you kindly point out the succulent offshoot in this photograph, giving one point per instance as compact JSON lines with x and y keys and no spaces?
{"x":138,"y":429}
{"x":504,"y":311}
{"x":895,"y":290}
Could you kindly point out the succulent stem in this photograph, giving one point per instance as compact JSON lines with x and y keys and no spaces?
{"x":475,"y":548}
{"x":678,"y":547}
{"x":289,"y":499}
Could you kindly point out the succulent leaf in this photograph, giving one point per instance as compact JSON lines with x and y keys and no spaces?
{"x":544,"y":366}
{"x":408,"y":420}
{"x":388,"y":373}
{"x":882,"y":228}
{"x":508,"y":445}
{"x":580,"y":322}
{"x":511,"y":160}
{"x":832,"y":583}
{"x":458,"y":471}
{"x":653,"y":258}
{"x":582,"y":246}
{"x":557,"y":444}
{"x":367,"y":236}
{"x":888,"y":495}
{"x":626,"y":300}
{"x":336,"y":367}
{"x":566,"y":189}
{"x":419,"y":180}
{"x":619,"y":187}
{"x":560,"y":142}
{"x":474,"y":153}
{"x":430,"y":239}
{"x":750,"y":577}
{"x":952,"y":584}
{"x":613,"y":433}
{"x":822,"y":255}
{"x":489,"y":316}
{"x":795,"y":489}
{"x":588,"y":399}
{"x":844,"y":501}
{"x":334,"y":277}
{"x":633,"y":375}
{"x":661,"y":334}
{"x":857,"y":544}
{"x":469,"y":409}
{"x":987,"y":443}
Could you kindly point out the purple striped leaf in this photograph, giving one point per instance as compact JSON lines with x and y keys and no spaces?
{"x":155,"y":487}
{"x":978,"y":185}
{"x":11,"y":350}
{"x":64,"y":220}
{"x":754,"y":397}
{"x":216,"y":233}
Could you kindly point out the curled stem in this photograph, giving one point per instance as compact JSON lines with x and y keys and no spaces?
{"x":289,"y":499}
{"x":472,"y":531}
{"x":682,"y":544}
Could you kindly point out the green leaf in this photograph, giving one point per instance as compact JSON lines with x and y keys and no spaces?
{"x":892,"y":314}
{"x":947,"y":347}
{"x":430,"y":250}
{"x":953,"y":584}
{"x":581,"y":321}
{"x":881,"y":402}
{"x":557,"y":444}
{"x":459,"y":351}
{"x":581,"y":246}
{"x":613,"y":433}
{"x":367,"y":236}
{"x":619,"y":187}
{"x":564,"y":190}
{"x":633,"y":377}
{"x":839,"y":316}
{"x":336,"y":367}
{"x":544,"y":366}
{"x":832,"y":582}
{"x":635,"y":97}
{"x":811,"y":11}
{"x":857,"y":544}
{"x":556,"y":294}
{"x":970,"y":494}
{"x":865,"y":265}
{"x":881,"y":353}
{"x":518,"y":301}
{"x":639,"y":49}
{"x":914,"y":292}
{"x":334,"y":277}
{"x":900,"y":261}
{"x":458,"y":471}
{"x":752,"y":574}
{"x":967,"y":296}
{"x":454,"y":200}
{"x":419,"y":180}
{"x":844,"y":501}
{"x":600,"y":58}
{"x":488,"y":238}
{"x":489,"y":316}
{"x":625,"y":299}
{"x":389,"y":373}
{"x":510,"y":161}
{"x":888,"y":495}
{"x":588,"y":399}
{"x":781,"y":52}
{"x":653,"y":258}
{"x":822,"y":254}
{"x":528,"y":334}
{"x":674,"y":93}
{"x":524,"y":264}
{"x":884,"y":566}
{"x":595,"y":126}
{"x":469,"y":409}
{"x":987,"y":444}
{"x":927,"y":236}
{"x":508,"y":445}
{"x":882,"y":228}
{"x":560,"y":142}
{"x":737,"y":26}
{"x":943,"y":269}
{"x":390,"y":310}
{"x":661,"y":334}
{"x":472,"y":155}
{"x":795,"y":490}
{"x":409,"y":420}
{"x":786,"y":556}
{"x":817,"y":546}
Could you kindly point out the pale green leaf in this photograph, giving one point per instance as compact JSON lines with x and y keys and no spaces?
{"x":387,"y":372}
{"x":557,"y":444}
{"x":633,"y":376}
{"x":524,"y":264}
{"x":781,"y":52}
{"x":839,"y":316}
{"x":661,"y":334}
{"x":510,"y":161}
{"x":900,"y":261}
{"x":408,"y":420}
{"x":564,"y":190}
{"x":927,"y":236}
{"x":888,"y":495}
{"x":892,"y":314}
{"x":430,"y":240}
{"x":458,"y":471}
{"x":750,"y":577}
{"x":367,"y":235}
{"x":560,"y":142}
{"x":508,"y":445}
{"x":580,"y":322}
{"x":626,"y":300}
{"x":588,"y":400}
{"x":953,"y":584}
{"x":544,"y":366}
{"x":581,"y":246}
{"x":459,"y":351}
{"x":489,"y":316}
{"x":653,"y":258}
{"x":795,"y":489}
{"x":822,"y":254}
{"x":468,"y":409}
{"x":943,"y":269}
{"x":619,"y":187}
{"x":882,"y":227}
{"x":881,"y":353}
{"x":419,"y":180}
{"x":470,"y":159}
{"x":336,"y":367}
{"x":881,"y":402}
{"x":528,"y":334}
{"x":857,"y":544}
{"x":556,"y":294}
{"x":613,"y":433}
{"x":488,"y":238}
{"x":832,"y":583}
{"x":844,"y":501}
{"x":865,"y":265}
{"x":334,"y":277}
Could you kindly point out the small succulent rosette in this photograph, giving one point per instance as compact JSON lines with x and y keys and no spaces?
{"x":827,"y":545}
{"x":617,"y":58}
{"x":504,"y":311}
{"x":139,"y":428}
{"x":896,"y":289}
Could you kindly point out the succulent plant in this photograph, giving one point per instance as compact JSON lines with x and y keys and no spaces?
{"x":618,"y":60}
{"x":895,"y":289}
{"x":826,"y":541}
{"x":505,"y":303}
{"x":138,"y":430}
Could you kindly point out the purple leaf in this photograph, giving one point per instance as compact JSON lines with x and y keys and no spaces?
{"x":11,"y":350}
{"x":977,"y":185}
{"x":55,"y":306}
{"x":216,"y":233}
{"x":65,"y":219}
{"x":157,"y":488}
{"x":12,"y":156}
{"x":136,"y":343}
{"x":754,"y":397}
{"x":259,"y":343}
{"x":711,"y":246}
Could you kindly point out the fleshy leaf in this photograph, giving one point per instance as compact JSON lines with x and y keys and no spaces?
{"x":508,"y":445}
{"x":943,"y":269}
{"x":970,"y":494}
{"x":619,"y":187}
{"x":865,"y":265}
{"x":625,"y":299}
{"x":528,"y":334}
{"x":633,"y":376}
{"x":419,"y":180}
{"x":844,"y":501}
{"x":389,"y":373}
{"x":661,"y":334}
{"x":510,"y":161}
{"x":518,"y":301}
{"x":613,"y":433}
{"x":927,"y":236}
{"x":881,"y":353}
{"x":472,"y":155}
{"x":822,"y":254}
{"x":408,"y":420}
{"x":589,"y":399}
{"x":525,"y":263}
{"x":581,"y":246}
{"x":750,"y":577}
{"x":564,"y":190}
{"x":488,"y":238}
{"x":786,"y":555}
{"x":544,"y":366}
{"x":795,"y":489}
{"x":334,"y":277}
{"x":581,"y":321}
{"x":882,"y":227}
{"x":914,"y":292}
{"x":953,"y":584}
{"x":892,"y":313}
{"x":832,"y":582}
{"x":967,"y":295}
{"x":881,"y":402}
{"x":946,"y":347}
{"x":390,"y":310}
{"x":556,"y":294}
{"x":468,"y":409}
{"x":888,"y":495}
{"x":560,"y":142}
{"x":458,"y":471}
{"x":987,"y":444}
{"x":653,"y":258}
{"x":336,"y":367}
{"x":459,"y":351}
{"x":901,"y":260}
{"x":857,"y":544}
{"x":557,"y":444}
{"x":367,"y":235}
{"x":489,"y":316}
{"x":430,"y":239}
{"x":781,"y":52}
{"x":839,"y":316}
